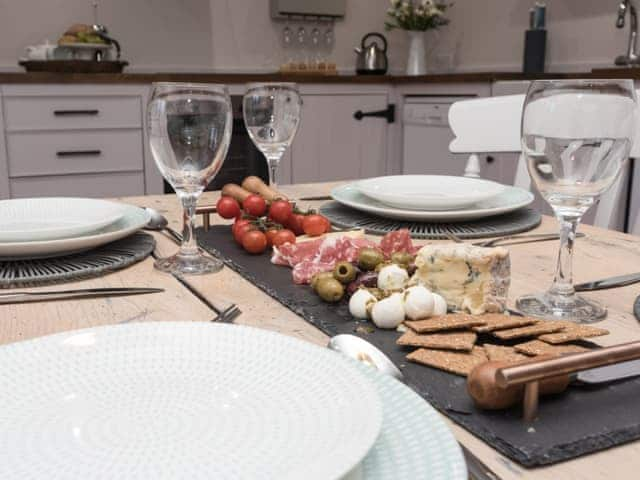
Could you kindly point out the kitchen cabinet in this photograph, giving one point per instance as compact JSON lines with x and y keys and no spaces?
{"x":75,"y":140}
{"x":332,"y":145}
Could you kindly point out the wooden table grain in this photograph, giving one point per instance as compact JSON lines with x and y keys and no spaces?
{"x":600,"y":254}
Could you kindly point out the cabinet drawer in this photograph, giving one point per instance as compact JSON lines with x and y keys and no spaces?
{"x":96,"y":186}
{"x":65,"y":113}
{"x":59,"y":153}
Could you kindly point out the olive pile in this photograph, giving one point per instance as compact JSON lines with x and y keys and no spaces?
{"x":347,"y":277}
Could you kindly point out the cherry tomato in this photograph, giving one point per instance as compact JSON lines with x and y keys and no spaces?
{"x":241,"y":231}
{"x":283,"y":236}
{"x":238,"y":223}
{"x":327,"y":224}
{"x":271,"y":234}
{"x":228,"y":207}
{"x":254,"y":241}
{"x":295,"y":223}
{"x":254,"y":205}
{"x":314,"y":225}
{"x":280,"y":211}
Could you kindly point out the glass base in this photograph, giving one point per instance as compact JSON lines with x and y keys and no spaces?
{"x":573,"y":308}
{"x":188,"y":264}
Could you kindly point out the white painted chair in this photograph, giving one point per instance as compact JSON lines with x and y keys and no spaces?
{"x":492,"y":125}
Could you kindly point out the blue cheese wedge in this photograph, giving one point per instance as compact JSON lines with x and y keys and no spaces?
{"x":472,"y":279}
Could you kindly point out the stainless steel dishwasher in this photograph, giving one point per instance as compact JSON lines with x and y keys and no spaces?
{"x":426,"y":136}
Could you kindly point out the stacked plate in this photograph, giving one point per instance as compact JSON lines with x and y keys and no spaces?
{"x":192,"y":400}
{"x":431,"y":198}
{"x":48,"y":227}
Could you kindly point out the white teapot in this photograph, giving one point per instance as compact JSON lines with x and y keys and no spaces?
{"x":44,"y":51}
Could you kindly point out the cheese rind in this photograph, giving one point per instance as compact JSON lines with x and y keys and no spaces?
{"x":473,"y":279}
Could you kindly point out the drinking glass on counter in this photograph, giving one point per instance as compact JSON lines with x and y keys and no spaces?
{"x":189,"y":129}
{"x":271,"y":114}
{"x":576,"y":137}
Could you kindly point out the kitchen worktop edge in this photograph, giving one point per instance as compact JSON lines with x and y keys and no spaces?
{"x":231,"y":78}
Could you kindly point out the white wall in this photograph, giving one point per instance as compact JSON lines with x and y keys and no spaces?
{"x":239,"y":35}
{"x":483,"y":35}
{"x":489,"y":34}
{"x":154,"y":34}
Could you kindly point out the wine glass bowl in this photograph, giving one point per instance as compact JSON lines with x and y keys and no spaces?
{"x":576,"y":137}
{"x":189,"y":128}
{"x":271,"y":114}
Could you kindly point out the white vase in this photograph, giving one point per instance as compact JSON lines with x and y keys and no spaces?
{"x":417,"y":61}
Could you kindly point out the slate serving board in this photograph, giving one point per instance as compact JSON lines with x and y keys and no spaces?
{"x":580,"y":421}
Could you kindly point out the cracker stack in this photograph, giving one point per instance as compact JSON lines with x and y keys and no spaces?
{"x":448,"y":342}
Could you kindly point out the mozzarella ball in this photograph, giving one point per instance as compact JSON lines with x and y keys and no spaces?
{"x":392,"y":277}
{"x":439,"y":305}
{"x":360,"y":302}
{"x":418,"y":302}
{"x":388,"y":312}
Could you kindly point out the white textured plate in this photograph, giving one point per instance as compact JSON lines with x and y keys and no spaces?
{"x":132,"y":220}
{"x":512,"y":198}
{"x":414,"y":441}
{"x":429,"y":192}
{"x":34,"y":219}
{"x":182,"y":400}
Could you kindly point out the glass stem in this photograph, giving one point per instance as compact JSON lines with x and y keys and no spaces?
{"x":189,"y":245}
{"x":563,"y":279}
{"x":274,"y":162}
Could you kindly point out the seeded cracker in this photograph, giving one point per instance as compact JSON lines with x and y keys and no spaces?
{"x":444,"y":322}
{"x":460,"y":363}
{"x":530,"y":331}
{"x":446,"y":341}
{"x":498,"y":321}
{"x":506,"y":354}
{"x":571,"y":332}
{"x":537,"y":347}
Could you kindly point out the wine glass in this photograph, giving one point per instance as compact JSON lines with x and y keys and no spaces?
{"x":189,"y":129}
{"x":271,"y":114}
{"x":576,"y":137}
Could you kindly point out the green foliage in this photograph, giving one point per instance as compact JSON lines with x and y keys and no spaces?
{"x":418,"y":15}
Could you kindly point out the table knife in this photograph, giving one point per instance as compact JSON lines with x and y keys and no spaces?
{"x":23,"y":297}
{"x":611,"y":282}
{"x":608,"y":373}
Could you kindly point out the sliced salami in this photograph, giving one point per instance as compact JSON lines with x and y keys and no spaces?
{"x":398,"y":241}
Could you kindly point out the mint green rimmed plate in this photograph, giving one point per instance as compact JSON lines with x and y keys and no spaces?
{"x":414,"y":440}
{"x":511,"y":198}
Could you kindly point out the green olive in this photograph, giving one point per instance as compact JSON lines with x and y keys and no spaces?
{"x":344,"y":272}
{"x":401,"y":258}
{"x":330,"y":290}
{"x":319,"y":276}
{"x":369,"y":258}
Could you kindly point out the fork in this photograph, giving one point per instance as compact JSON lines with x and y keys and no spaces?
{"x":223,"y":315}
{"x":527,"y":238}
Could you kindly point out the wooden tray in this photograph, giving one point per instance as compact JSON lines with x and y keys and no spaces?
{"x":73,"y":66}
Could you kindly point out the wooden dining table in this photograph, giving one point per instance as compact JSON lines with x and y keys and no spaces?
{"x":601,"y":253}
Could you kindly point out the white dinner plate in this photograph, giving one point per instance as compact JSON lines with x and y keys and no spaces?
{"x":33,"y":219}
{"x":429,"y":192}
{"x":132,"y":220}
{"x":512,"y":198}
{"x":182,"y":400}
{"x":414,"y":441}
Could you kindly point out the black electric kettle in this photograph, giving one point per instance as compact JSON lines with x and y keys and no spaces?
{"x":372,"y":58}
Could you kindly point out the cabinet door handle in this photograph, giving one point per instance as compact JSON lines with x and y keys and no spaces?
{"x":66,"y":113}
{"x":78,"y":153}
{"x":389,"y":113}
{"x":490,"y":159}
